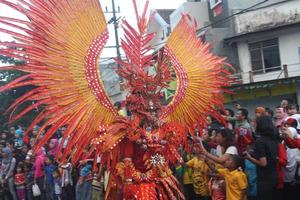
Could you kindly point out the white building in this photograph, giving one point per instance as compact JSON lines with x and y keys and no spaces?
{"x":197,"y":10}
{"x":160,"y":24}
{"x":111,"y":81}
{"x":268,"y":42}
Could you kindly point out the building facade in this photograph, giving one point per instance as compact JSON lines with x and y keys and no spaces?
{"x":267,"y":40}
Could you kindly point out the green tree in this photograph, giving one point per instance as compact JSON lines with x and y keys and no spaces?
{"x":8,"y":97}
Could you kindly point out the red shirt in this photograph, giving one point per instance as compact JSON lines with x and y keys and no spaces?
{"x":244,"y":138}
{"x":282,"y":162}
{"x":20,"y":178}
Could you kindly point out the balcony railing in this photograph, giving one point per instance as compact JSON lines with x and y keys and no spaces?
{"x":285,"y":71}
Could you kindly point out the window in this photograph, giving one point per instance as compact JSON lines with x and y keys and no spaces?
{"x":265,"y":56}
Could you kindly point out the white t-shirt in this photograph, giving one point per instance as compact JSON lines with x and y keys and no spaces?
{"x":219,"y":151}
{"x":230,"y":150}
{"x":291,"y":167}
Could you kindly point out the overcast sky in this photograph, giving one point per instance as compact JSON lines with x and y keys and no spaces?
{"x":125,"y":7}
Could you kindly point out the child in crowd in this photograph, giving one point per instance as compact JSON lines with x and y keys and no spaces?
{"x":20,"y":183}
{"x":187,"y":172}
{"x":200,"y":175}
{"x":19,"y":138}
{"x":235,"y":179}
{"x":84,"y":184}
{"x":217,"y":187}
{"x":29,"y":180}
{"x":97,"y":193}
{"x":49,"y":169}
{"x":57,"y":185}
{"x":67,"y":181}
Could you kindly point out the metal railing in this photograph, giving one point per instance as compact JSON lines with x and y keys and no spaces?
{"x":249,"y":77}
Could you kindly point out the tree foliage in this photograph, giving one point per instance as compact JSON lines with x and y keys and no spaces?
{"x":8,"y":97}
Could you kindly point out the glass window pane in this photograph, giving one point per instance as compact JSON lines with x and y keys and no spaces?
{"x":271,"y":42}
{"x":256,"y":61}
{"x":271,"y":58}
{"x":254,"y":45}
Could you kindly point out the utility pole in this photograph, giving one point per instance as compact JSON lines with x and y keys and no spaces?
{"x":114,"y":20}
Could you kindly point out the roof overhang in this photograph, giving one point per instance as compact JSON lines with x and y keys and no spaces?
{"x":245,"y":36}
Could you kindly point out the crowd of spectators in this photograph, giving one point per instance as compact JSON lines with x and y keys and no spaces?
{"x":254,"y":159}
{"x":241,"y":158}
{"x":28,"y":174}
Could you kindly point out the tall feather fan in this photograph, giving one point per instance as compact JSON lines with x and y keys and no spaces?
{"x":201,"y":77}
{"x":60,"y":44}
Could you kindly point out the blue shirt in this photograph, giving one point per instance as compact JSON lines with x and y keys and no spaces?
{"x":85,"y":170}
{"x":250,"y":170}
{"x":49,"y":169}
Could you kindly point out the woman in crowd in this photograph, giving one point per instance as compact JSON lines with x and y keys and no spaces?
{"x":225,"y":148}
{"x":7,"y":172}
{"x":39,"y":172}
{"x":53,"y":147}
{"x":265,"y":158}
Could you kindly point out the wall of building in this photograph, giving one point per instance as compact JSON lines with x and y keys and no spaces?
{"x":197,"y":10}
{"x":275,"y":15}
{"x":230,"y":7}
{"x":159,"y":27}
{"x":244,"y":60}
{"x":244,"y":4}
{"x":289,"y":44}
{"x":215,"y":36}
{"x":111,"y":82}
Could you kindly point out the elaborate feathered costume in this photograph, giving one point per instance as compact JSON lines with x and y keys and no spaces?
{"x":61,"y":42}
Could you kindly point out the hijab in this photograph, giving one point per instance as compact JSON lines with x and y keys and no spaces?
{"x":40,"y":156}
{"x":8,"y":155}
{"x":54,"y":148}
{"x":40,"y":153}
